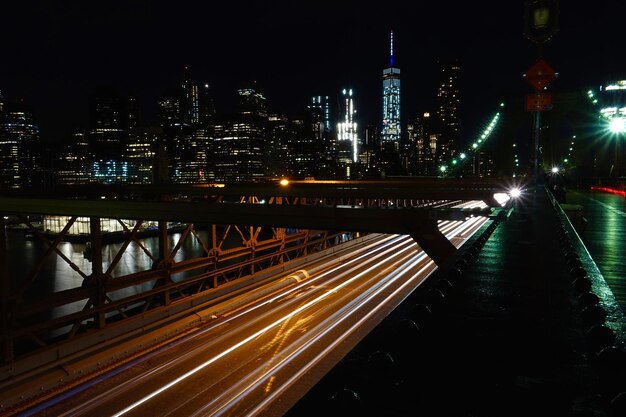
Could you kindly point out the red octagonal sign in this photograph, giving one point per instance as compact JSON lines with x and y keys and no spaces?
{"x":540,"y":74}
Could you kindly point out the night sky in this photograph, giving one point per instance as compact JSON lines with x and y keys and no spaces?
{"x":54,"y":53}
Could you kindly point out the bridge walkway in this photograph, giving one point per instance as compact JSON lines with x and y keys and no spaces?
{"x":605,"y":235}
{"x":510,"y":336}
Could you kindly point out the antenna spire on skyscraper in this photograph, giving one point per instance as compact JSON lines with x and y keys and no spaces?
{"x":391,"y":51}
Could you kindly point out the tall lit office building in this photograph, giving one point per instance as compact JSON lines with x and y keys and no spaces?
{"x":186,"y":114}
{"x":391,"y":129}
{"x":141,"y":152}
{"x":19,"y":140}
{"x":448,"y":108}
{"x":347,"y":137}
{"x":278,"y":139}
{"x":252,"y":102}
{"x":328,"y":145}
{"x":309,"y":150}
{"x":323,"y":103}
{"x":238,"y":142}
{"x":108,"y":136}
{"x":74,"y":165}
{"x":423,"y":147}
{"x":190,"y":102}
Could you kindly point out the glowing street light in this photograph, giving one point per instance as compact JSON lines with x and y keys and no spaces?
{"x":617,"y":125}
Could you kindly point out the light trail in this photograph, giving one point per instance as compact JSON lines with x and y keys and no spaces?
{"x":372,"y":259}
{"x":296,"y":376}
{"x":390,"y":240}
{"x":242,"y":342}
{"x":328,"y":326}
{"x":452,"y":226}
{"x":323,"y":328}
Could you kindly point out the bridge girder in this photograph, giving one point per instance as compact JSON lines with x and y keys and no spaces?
{"x":397,"y":208}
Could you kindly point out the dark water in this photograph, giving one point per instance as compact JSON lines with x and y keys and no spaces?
{"x":57,"y":275}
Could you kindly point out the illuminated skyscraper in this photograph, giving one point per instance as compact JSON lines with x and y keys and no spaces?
{"x":238,"y":140}
{"x":108,"y":136}
{"x":280,"y":135}
{"x":19,"y":141}
{"x":391,"y":129}
{"x":190,"y":103}
{"x":252,"y":102}
{"x":347,"y":137}
{"x":186,"y":114}
{"x":425,"y":145}
{"x":74,"y":165}
{"x":448,"y":109}
{"x":323,"y":103}
{"x":141,"y":152}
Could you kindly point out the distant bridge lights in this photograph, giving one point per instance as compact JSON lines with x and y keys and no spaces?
{"x":455,"y":163}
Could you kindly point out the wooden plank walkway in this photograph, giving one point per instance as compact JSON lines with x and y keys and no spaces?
{"x":605,"y":235}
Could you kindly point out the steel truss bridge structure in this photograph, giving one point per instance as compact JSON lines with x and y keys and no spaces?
{"x":274,"y":224}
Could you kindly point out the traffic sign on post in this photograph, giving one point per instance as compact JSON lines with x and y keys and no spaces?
{"x":540,"y":74}
{"x":538,"y":102}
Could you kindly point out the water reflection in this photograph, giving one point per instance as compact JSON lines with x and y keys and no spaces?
{"x":56,"y":275}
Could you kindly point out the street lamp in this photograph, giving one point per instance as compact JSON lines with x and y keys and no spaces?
{"x":617,"y":125}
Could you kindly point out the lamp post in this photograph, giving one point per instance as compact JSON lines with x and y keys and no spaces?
{"x":540,"y":24}
{"x":617,"y":126}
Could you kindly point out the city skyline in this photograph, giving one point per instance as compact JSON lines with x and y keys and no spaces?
{"x":63,"y":51}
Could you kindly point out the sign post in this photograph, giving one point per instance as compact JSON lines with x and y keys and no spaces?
{"x":540,"y":24}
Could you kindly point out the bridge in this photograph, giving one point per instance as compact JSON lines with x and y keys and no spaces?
{"x":319,"y":266}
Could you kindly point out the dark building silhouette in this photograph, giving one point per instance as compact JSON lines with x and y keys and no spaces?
{"x":448,"y":103}
{"x":425,"y":140}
